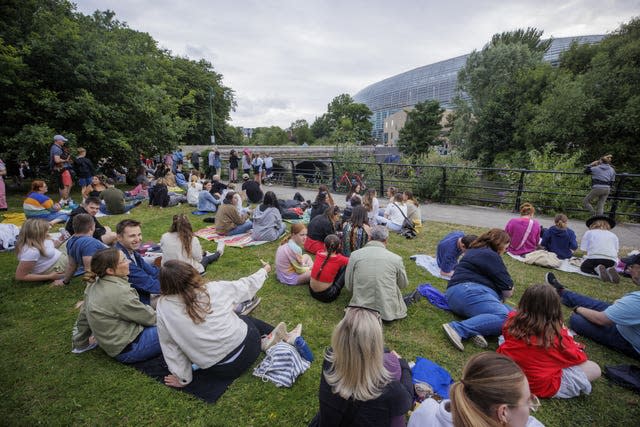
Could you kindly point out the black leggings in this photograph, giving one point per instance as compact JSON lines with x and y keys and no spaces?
{"x":208,"y":259}
{"x":332,"y":292}
{"x":589,"y":265}
{"x":255,"y":329}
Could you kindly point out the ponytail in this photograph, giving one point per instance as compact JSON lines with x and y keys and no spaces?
{"x":332,"y":246}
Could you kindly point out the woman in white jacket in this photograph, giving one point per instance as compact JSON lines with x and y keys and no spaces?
{"x":197,"y":324}
{"x":181,"y":244}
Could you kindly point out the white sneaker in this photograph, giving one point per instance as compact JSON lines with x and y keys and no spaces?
{"x":453,"y":336}
{"x":220,"y":247}
{"x":479,"y":341}
{"x":295,"y":333}
{"x":278,"y":334}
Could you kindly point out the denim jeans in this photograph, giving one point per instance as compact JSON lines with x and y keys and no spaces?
{"x":605,"y":335}
{"x":242,"y":228}
{"x":147,"y":346}
{"x":481,"y":305}
{"x":394,"y":227}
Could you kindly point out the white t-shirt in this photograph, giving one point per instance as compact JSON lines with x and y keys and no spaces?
{"x":394,"y":212}
{"x":43,"y":263}
{"x":192,"y":193}
{"x":600,"y":244}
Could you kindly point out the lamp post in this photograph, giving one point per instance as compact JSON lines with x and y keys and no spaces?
{"x":213,"y":137}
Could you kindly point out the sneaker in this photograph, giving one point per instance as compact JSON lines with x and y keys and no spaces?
{"x":602,"y":273}
{"x":613,"y":275}
{"x":412,"y":298}
{"x":295,"y":333}
{"x":550,"y":279}
{"x":303,"y":348}
{"x":278,"y":334}
{"x":453,"y":336}
{"x":479,"y":341}
{"x":220,"y":247}
{"x":247,"y":306}
{"x":82,"y":350}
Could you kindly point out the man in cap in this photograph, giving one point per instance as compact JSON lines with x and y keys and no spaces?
{"x":251,"y":189}
{"x":614,"y":325}
{"x":60,"y":175}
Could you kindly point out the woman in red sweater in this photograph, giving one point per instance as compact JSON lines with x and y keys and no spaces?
{"x":537,"y":340}
{"x":327,"y":274}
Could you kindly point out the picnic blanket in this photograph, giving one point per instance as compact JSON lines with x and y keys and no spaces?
{"x":430,"y":264}
{"x":566,"y":265}
{"x":238,"y":241}
{"x":15,"y":218}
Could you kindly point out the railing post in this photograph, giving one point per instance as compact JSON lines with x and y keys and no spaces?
{"x":333,"y":176}
{"x":616,"y":195}
{"x":516,"y":208}
{"x":381,"y":179}
{"x":443,"y":195}
{"x":293,"y":174}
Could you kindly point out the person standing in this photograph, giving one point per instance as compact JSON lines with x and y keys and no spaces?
{"x":233,"y":166}
{"x":211,"y":170}
{"x":246,"y":161}
{"x":195,"y":160}
{"x":602,"y":178}
{"x":84,"y":170}
{"x":56,"y":166}
{"x":3,"y":190}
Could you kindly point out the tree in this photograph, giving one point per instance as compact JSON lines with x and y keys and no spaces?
{"x":421,"y":129}
{"x":273,"y":135}
{"x":344,"y":121}
{"x":301,"y":133}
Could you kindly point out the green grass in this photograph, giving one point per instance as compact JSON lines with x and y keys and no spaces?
{"x":43,"y":383}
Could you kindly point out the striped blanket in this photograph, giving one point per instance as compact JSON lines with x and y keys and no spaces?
{"x":238,"y":241}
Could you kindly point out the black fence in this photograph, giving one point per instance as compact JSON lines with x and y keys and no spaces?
{"x":549,"y":191}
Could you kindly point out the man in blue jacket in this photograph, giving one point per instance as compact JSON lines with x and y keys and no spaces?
{"x":142,"y":276}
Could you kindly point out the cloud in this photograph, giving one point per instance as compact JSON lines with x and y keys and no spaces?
{"x":286,"y":60}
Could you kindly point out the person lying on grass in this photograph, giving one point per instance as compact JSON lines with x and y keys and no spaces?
{"x":112,"y":315}
{"x":39,"y":259}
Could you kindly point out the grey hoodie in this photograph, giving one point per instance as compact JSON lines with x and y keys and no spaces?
{"x":266,"y":224}
{"x":602,"y":175}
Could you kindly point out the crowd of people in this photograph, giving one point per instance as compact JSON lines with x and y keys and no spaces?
{"x":137,"y":311}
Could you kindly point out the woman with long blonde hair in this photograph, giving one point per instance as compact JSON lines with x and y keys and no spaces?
{"x":601,"y":246}
{"x":39,"y":259}
{"x":360,"y":384}
{"x":179,"y":243}
{"x":493,"y":392}
{"x":537,"y":340}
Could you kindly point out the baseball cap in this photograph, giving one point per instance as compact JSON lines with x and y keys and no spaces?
{"x":60,"y":138}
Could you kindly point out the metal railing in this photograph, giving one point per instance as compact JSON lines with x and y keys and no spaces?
{"x":548,"y":191}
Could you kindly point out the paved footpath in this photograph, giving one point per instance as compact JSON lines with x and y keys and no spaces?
{"x":479,"y":216}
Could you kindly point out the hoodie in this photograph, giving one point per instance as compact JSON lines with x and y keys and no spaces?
{"x":561,"y":241}
{"x":266,"y":223}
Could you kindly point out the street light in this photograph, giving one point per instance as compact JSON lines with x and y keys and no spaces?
{"x":213,"y":137}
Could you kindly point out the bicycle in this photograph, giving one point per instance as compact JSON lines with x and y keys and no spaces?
{"x":348,"y":180}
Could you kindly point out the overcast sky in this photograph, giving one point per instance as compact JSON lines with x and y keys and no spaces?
{"x":288,"y":59}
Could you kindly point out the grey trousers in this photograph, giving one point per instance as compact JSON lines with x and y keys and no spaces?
{"x":601,"y":193}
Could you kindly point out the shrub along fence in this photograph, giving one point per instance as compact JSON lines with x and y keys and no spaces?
{"x":549,"y":191}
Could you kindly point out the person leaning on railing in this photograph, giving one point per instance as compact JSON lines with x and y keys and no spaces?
{"x":602,"y":178}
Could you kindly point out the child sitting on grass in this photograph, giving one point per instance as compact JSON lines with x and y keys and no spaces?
{"x":537,"y":340}
{"x":559,"y":238}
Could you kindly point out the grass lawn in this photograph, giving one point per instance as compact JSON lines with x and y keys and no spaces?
{"x":43,"y":383}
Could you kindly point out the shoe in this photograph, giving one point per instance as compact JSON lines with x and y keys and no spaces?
{"x":303,"y":348}
{"x":613,"y":275}
{"x":82,"y":350}
{"x":479,"y":341}
{"x":278,"y":334}
{"x":412,"y":298}
{"x":220,"y":247}
{"x":602,"y":273}
{"x":295,"y":333}
{"x":550,"y":279}
{"x":247,"y":306}
{"x":453,"y":336}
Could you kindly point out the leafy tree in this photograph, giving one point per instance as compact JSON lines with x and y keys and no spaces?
{"x":422,"y":128}
{"x":344,"y":121}
{"x":321,"y":127}
{"x":273,"y":135}
{"x":301,"y":133}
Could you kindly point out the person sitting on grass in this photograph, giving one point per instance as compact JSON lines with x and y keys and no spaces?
{"x":492,"y":392}
{"x":81,"y":247}
{"x":114,"y":203}
{"x":142,"y":276}
{"x":207,"y":202}
{"x":615,"y":325}
{"x":477,"y":290}
{"x":523,"y":231}
{"x":360,"y":384}
{"x":91,"y":206}
{"x":267,"y":219}
{"x":39,"y":259}
{"x":601,"y":246}
{"x":193,"y":192}
{"x":182,"y":245}
{"x":37,"y":205}
{"x":292,"y":267}
{"x":320,"y":227}
{"x":449,"y":250}
{"x":413,"y":209}
{"x":113,"y":315}
{"x":559,"y":238}
{"x":537,"y":340}
{"x":327,"y":273}
{"x":197,"y":324}
{"x":320,"y":204}
{"x":395,"y":213}
{"x":228,"y":220}
{"x":356,"y":231}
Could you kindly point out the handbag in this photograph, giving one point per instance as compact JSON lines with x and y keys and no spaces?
{"x":408,"y":230}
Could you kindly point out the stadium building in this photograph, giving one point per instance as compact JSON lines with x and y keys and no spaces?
{"x":435,"y":81}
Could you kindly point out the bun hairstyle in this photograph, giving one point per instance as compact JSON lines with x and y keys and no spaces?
{"x":527,"y":209}
{"x":100,"y":262}
{"x":488,"y":379}
{"x":561,"y":220}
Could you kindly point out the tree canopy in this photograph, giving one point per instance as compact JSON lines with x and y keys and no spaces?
{"x":421,"y":129}
{"x":104,"y":86}
{"x":345,"y":121}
